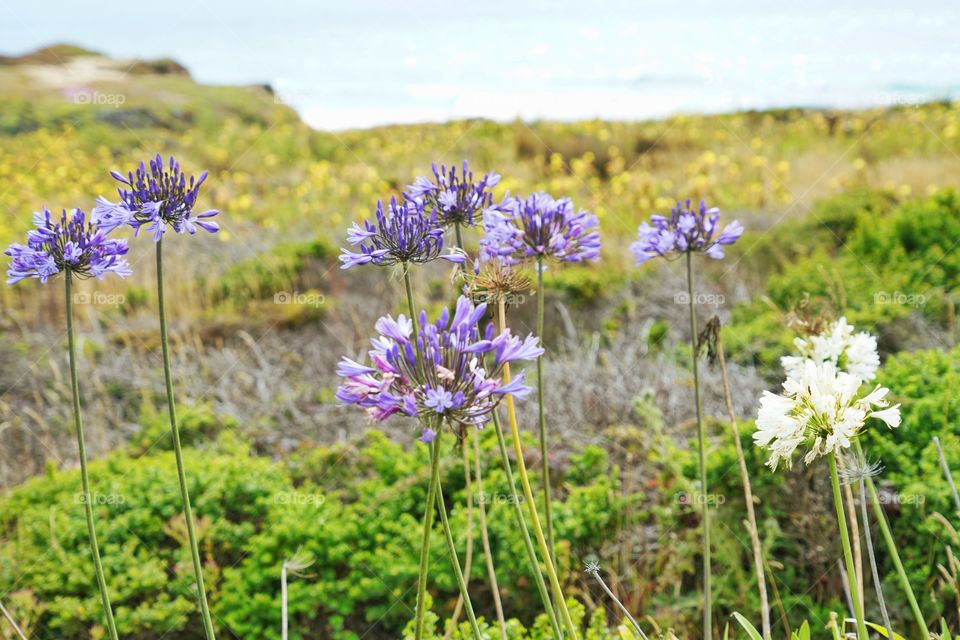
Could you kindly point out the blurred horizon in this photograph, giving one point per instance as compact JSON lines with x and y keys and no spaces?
{"x":374,"y":63}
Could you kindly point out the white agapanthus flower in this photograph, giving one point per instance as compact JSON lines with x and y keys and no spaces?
{"x":855,"y":353}
{"x":819,"y":409}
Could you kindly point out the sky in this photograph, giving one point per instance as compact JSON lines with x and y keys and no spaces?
{"x":364,"y":63}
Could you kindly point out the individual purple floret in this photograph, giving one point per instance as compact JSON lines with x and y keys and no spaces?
{"x":72,"y":244}
{"x":455,"y":196}
{"x":452,"y":373}
{"x":156,"y":196}
{"x":685,"y":231}
{"x":539,"y":227}
{"x":404,"y":233}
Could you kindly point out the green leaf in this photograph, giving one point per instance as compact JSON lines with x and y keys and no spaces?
{"x":748,"y":627}
{"x":882,"y":630}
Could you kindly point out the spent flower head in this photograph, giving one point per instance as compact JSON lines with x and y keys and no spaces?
{"x":820,"y":409}
{"x":456,"y":197}
{"x":686,"y":230}
{"x":539,"y":226}
{"x":492,"y":280}
{"x":855,"y":353}
{"x":450,"y":372}
{"x":404,"y":233}
{"x":156,"y":196}
{"x":71,"y":244}
{"x":857,"y":467}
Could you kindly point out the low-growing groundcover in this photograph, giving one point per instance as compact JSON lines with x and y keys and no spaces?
{"x":352,"y":509}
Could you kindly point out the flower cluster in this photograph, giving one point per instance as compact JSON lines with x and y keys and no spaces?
{"x":446,"y":371}
{"x":539,"y":227}
{"x":71,"y":244}
{"x":819,"y":408}
{"x":687,"y":230}
{"x":455,"y":196}
{"x":404,"y":233}
{"x":156,"y":198}
{"x":855,"y":353}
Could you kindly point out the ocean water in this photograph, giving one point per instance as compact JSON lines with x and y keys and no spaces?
{"x":357,"y":64}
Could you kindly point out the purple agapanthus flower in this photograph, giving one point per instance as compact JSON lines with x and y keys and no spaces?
{"x":456,"y":196}
{"x":404,"y":233}
{"x":687,"y":230}
{"x":539,"y":227}
{"x":71,"y":244}
{"x":449,"y":372}
{"x":156,"y":196}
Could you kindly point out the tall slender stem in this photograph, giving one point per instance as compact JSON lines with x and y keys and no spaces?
{"x":594,"y":570}
{"x":854,"y":537}
{"x":541,"y":414}
{"x":13,"y":623}
{"x":528,"y":495}
{"x":410,"y":308}
{"x":702,"y":446}
{"x":847,"y":552}
{"x":485,"y":539}
{"x":894,"y":554}
{"x":946,"y":473}
{"x":522,"y":526}
{"x":178,"y":452}
{"x":84,"y":477}
{"x":283,"y":602}
{"x":452,"y":548}
{"x":468,"y":561}
{"x":753,"y":530}
{"x":425,"y":539}
{"x":456,"y":228}
{"x":873,"y":558}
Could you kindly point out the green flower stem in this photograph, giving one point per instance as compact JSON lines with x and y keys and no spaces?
{"x":410,"y":308}
{"x":702,"y":445}
{"x":894,"y":554}
{"x":847,"y":552}
{"x":468,"y":561}
{"x":873,"y":559}
{"x":84,"y":478}
{"x":485,"y":539}
{"x":541,"y":414}
{"x":178,"y":452}
{"x":528,"y":495}
{"x":522,"y":526}
{"x":451,"y":546}
{"x":425,"y":543}
{"x":459,"y":236}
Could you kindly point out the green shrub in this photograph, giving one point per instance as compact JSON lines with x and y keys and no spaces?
{"x":882,"y":268}
{"x":354,"y":508}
